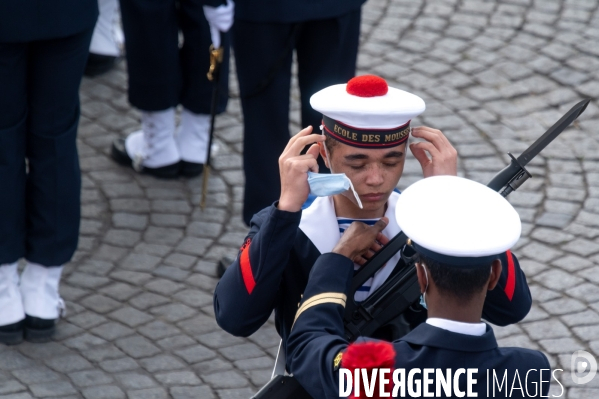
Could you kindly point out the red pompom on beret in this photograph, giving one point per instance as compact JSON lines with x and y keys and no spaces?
{"x":367,"y":86}
{"x":369,"y":355}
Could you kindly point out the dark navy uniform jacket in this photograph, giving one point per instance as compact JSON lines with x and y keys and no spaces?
{"x":29,"y":20}
{"x":317,"y":338}
{"x":289,"y":11}
{"x":272,"y":269}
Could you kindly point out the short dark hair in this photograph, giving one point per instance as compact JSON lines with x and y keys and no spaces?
{"x":460,"y":283}
{"x":330,"y":143}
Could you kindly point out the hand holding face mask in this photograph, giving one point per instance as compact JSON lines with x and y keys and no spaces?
{"x":293,"y":168}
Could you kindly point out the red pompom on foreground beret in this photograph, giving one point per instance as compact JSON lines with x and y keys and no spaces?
{"x":367,"y":86}
{"x":369,"y":355}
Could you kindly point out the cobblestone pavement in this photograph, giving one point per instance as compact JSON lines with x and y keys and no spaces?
{"x":494,"y":75}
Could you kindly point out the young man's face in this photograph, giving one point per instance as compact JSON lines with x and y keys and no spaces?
{"x":373,"y":172}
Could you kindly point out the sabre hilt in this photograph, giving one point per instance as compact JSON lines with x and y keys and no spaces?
{"x":216,"y":58}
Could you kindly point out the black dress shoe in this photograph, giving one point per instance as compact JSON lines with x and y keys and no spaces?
{"x":190,"y":169}
{"x":38,"y":330}
{"x":119,"y":154}
{"x":11,"y":334}
{"x":98,"y":64}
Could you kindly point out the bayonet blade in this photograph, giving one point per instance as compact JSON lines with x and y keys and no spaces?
{"x":553,"y":132}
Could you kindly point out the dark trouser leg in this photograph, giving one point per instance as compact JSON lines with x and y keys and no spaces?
{"x":54,"y":179}
{"x":196,"y":94}
{"x":152,"y":47}
{"x":13,"y":106}
{"x":258,"y":48}
{"x":322,"y":63}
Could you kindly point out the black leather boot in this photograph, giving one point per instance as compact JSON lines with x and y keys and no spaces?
{"x":98,"y":64}
{"x":190,"y":169}
{"x":119,"y":154}
{"x":11,"y":334}
{"x":38,"y":330}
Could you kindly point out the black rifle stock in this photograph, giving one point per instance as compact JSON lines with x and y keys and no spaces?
{"x":401,"y":289}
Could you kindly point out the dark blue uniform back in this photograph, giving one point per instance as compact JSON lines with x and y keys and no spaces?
{"x":289,"y":11}
{"x":29,"y":20}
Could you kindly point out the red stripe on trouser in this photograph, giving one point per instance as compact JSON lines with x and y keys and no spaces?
{"x":246,"y":269}
{"x":510,"y":286}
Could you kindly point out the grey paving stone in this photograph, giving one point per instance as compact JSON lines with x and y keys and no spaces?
{"x":195,"y":354}
{"x":563,"y":306}
{"x":558,"y":220}
{"x":558,"y":280}
{"x":109,"y":252}
{"x":546,"y":329}
{"x":147,"y":299}
{"x":172,"y":273}
{"x":226,"y":379}
{"x":212,"y":366}
{"x":162,"y":235}
{"x":135,"y":278}
{"x":103,"y":392}
{"x":181,"y":261}
{"x":36,"y":374}
{"x":120,"y":291}
{"x":90,"y":378}
{"x":193,"y":298}
{"x":55,"y":388}
{"x":175,"y":342}
{"x":173,"y":312}
{"x":10,"y":386}
{"x":105,"y":352}
{"x":87,"y":319}
{"x":69,"y":363}
{"x":130,"y":316}
{"x":150,"y":393}
{"x":87,"y":281}
{"x":235,"y":393}
{"x":178,"y":378}
{"x":171,"y":206}
{"x":191,"y":392}
{"x":118,"y":365}
{"x":129,"y":221}
{"x":135,"y":380}
{"x":140,"y":262}
{"x":163,"y":286}
{"x":168,"y":220}
{"x":100,"y":303}
{"x":242,"y":351}
{"x":162,"y":363}
{"x":84,"y":341}
{"x":194,"y":246}
{"x":540,"y":252}
{"x":152,"y":249}
{"x":112,"y":330}
{"x":157,"y":330}
{"x":122,"y":237}
{"x":49,"y":349}
{"x":137,"y":347}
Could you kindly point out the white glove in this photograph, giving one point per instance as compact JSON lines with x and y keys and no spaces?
{"x":220,"y":19}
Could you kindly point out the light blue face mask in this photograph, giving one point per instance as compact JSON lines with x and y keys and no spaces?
{"x":327,"y":184}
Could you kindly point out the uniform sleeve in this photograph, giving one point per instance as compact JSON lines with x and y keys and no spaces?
{"x":510,"y":301}
{"x":247,"y":293}
{"x":317,"y":334}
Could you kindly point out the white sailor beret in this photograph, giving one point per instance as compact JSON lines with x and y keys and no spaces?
{"x":366,"y":112}
{"x":457,"y":221}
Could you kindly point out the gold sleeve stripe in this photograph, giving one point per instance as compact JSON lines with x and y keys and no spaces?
{"x":327,"y":297}
{"x":337,"y":295}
